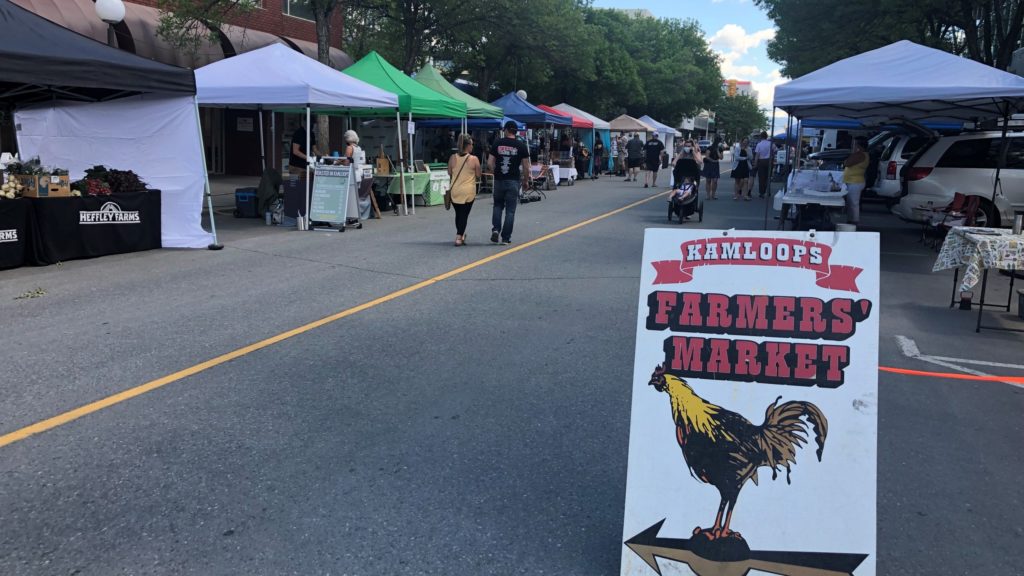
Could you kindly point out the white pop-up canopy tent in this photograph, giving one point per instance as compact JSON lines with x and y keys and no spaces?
{"x":905,"y":80}
{"x":276,"y":76}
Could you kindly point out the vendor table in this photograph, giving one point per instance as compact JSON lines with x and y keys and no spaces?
{"x":979,"y":249}
{"x":429,"y":187}
{"x":91,"y":226}
{"x":799,"y":199}
{"x":15,"y":232}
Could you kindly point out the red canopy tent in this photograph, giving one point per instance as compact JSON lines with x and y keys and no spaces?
{"x":577,"y":121}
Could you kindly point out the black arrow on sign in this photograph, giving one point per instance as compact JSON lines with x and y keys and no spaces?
{"x":649,"y":547}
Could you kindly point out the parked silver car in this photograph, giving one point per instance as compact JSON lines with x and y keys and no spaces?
{"x":966,"y":163}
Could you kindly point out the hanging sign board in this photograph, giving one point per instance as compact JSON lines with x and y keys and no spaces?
{"x":243,"y":124}
{"x":329,"y":199}
{"x":753,"y":438}
{"x":411,"y":127}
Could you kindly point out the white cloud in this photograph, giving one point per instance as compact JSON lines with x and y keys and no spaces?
{"x":766,"y":89}
{"x":733,"y":38}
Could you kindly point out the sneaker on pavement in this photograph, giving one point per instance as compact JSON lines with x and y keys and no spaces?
{"x":494,"y":236}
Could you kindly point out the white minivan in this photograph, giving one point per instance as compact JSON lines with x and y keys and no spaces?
{"x":966,"y":163}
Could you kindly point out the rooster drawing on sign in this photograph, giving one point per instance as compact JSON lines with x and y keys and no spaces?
{"x":725,"y":449}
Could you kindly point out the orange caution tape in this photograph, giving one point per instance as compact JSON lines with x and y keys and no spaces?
{"x":953,"y":376}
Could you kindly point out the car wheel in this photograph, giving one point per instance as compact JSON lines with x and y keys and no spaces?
{"x":986,"y":216}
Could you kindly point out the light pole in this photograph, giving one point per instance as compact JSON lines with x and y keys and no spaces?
{"x":111,"y":12}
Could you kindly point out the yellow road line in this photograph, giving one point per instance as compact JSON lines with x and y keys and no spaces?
{"x":75,"y":414}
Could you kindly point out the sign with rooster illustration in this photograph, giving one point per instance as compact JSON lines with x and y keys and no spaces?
{"x":753,"y":438}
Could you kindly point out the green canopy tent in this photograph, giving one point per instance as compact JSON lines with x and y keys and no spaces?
{"x":414,"y":99}
{"x":475,"y":108}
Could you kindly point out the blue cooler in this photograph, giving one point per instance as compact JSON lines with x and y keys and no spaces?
{"x":246,"y":203}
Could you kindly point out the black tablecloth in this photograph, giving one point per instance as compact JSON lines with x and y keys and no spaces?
{"x":90,"y":226}
{"x":15,"y":232}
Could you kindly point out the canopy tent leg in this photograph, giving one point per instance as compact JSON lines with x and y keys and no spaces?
{"x":309,"y":153}
{"x":401,"y":162}
{"x":1003,"y":146}
{"x":411,"y":164}
{"x":273,"y":139}
{"x":206,"y":180}
{"x":768,"y":197}
{"x":263,"y":145}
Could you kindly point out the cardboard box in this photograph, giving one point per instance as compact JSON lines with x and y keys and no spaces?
{"x":44,"y":186}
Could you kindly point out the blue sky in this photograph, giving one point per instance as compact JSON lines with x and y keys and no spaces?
{"x":736,"y":29}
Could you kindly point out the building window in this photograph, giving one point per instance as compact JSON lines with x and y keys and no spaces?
{"x":298,"y":9}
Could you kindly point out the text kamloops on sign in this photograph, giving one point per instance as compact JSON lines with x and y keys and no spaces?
{"x":8,"y":235}
{"x":109,"y":213}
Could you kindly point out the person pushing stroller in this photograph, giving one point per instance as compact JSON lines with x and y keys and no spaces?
{"x":685,"y":197}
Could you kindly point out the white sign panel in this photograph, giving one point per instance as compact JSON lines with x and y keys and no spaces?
{"x":244,"y":124}
{"x":753,"y":439}
{"x":411,"y":127}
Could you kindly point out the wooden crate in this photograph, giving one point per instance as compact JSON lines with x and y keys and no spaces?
{"x":44,"y":186}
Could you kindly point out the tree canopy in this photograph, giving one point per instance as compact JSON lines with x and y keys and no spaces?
{"x":602,"y":61}
{"x":815,"y":33}
{"x":739,"y":115}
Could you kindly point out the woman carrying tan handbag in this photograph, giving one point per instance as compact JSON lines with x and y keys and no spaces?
{"x":464,"y":168}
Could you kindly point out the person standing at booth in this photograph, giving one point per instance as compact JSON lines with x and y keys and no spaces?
{"x":299,"y":157}
{"x":510,"y":164}
{"x":598,"y":156}
{"x":853,"y":176}
{"x":464,"y":170}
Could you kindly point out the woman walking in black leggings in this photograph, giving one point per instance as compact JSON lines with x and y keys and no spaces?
{"x":464,"y":169}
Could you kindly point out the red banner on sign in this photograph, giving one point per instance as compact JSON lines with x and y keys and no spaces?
{"x":758,"y":252}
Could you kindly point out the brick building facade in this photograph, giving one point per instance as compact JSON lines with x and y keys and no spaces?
{"x":231,"y":143}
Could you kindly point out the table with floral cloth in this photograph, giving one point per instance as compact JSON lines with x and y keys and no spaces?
{"x":980,"y":249}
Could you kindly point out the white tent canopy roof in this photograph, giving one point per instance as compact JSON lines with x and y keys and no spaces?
{"x":903,"y":80}
{"x":626,"y":123}
{"x":598,"y":123}
{"x":276,"y":75}
{"x":661,"y":128}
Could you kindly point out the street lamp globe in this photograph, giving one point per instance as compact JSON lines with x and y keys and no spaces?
{"x":521,"y":94}
{"x":110,"y":11}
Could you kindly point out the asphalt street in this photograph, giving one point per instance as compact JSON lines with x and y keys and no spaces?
{"x":475,"y":425}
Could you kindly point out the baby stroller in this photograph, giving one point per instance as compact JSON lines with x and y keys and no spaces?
{"x":535,"y":193}
{"x":684,"y":202}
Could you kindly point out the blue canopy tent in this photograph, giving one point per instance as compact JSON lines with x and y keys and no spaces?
{"x":521,"y":110}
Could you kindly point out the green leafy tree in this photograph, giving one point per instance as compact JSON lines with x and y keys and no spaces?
{"x":739,"y":115}
{"x":187,"y":24}
{"x":807,"y":30}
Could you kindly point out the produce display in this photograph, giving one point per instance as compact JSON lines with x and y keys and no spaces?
{"x":32,"y":179}
{"x":103,"y":181}
{"x":11,"y":190}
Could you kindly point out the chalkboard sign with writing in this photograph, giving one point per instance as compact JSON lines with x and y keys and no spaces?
{"x":329,"y":200}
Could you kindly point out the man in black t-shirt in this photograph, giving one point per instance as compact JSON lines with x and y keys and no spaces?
{"x":298,"y":159}
{"x":653,"y":150}
{"x":510,"y":164}
{"x":634,"y":157}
